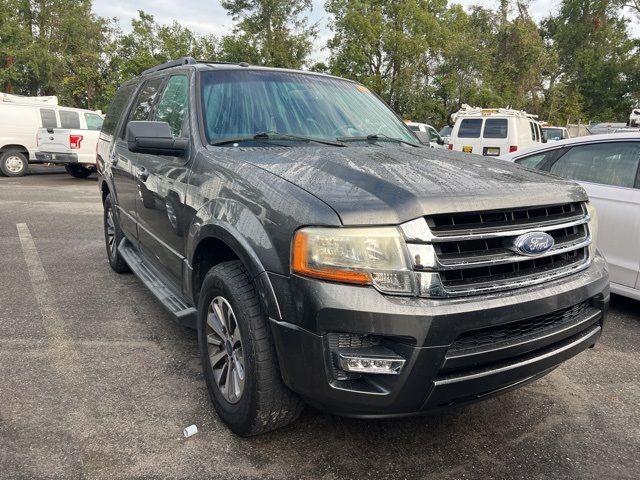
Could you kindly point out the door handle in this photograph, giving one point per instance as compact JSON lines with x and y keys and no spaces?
{"x":114,"y":160}
{"x":142,"y":174}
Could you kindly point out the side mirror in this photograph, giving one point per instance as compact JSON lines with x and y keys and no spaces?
{"x":154,"y":138}
{"x":440,"y":141}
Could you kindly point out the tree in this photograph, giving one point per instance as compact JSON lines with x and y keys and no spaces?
{"x":53,"y":47}
{"x":270,"y":32}
{"x":598,"y":61}
{"x":389,"y":46}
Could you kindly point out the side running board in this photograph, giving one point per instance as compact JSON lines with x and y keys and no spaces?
{"x":176,"y":303}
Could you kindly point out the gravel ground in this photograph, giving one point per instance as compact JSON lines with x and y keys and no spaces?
{"x":98,"y":382}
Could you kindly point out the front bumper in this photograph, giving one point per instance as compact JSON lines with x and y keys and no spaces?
{"x":436,"y":374}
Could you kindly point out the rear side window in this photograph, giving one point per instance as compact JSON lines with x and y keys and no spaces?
{"x":536,"y":161}
{"x":172,"y":107}
{"x":470,"y":128}
{"x":48,"y":117}
{"x":604,"y":163}
{"x":533,"y":131}
{"x":94,"y":122}
{"x":146,"y":100}
{"x":69,"y":119}
{"x":118,"y":104}
{"x":495,"y":128}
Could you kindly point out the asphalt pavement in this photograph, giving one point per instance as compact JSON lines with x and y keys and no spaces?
{"x":97,"y":381}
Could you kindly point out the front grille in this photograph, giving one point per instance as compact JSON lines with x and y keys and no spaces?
{"x":491,"y":337}
{"x":505,"y":219}
{"x":472,"y":253}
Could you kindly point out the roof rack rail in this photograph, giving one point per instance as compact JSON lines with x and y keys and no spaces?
{"x":171,"y":64}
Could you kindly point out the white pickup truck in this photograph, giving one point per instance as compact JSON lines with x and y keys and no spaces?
{"x":73,"y":148}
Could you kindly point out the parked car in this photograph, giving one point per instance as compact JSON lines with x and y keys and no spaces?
{"x":553,"y":134}
{"x":634,"y":118}
{"x":608,"y":167}
{"x":325,"y":256}
{"x":445,"y":133}
{"x":426,"y":134}
{"x":74,"y":148}
{"x":20,"y":120}
{"x":493,"y":131}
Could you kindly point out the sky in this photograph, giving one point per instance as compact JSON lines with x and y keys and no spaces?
{"x":208,"y":16}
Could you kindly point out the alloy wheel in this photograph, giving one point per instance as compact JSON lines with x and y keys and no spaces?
{"x":224,"y":344}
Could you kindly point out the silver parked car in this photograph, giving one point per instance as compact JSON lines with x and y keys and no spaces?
{"x":608,"y":167}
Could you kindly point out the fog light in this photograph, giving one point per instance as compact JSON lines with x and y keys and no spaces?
{"x":380,"y":366}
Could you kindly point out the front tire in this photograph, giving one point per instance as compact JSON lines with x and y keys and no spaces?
{"x":13,"y":163}
{"x":113,"y":235}
{"x":78,"y":171}
{"x":238,"y":356}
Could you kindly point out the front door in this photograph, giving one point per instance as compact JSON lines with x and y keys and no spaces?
{"x":162,"y":181}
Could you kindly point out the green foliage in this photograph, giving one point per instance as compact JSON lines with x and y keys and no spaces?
{"x":424,"y":57}
{"x":270,"y":32}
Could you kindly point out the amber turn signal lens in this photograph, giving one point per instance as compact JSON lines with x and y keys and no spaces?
{"x":300,"y":264}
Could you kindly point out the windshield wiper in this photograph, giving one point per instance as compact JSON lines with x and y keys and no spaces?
{"x":376,"y":137}
{"x":275,"y":136}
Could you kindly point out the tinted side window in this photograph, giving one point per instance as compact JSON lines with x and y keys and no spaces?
{"x":605,"y":163}
{"x":48,"y":116}
{"x":172,"y":107}
{"x":536,"y":161}
{"x":69,"y":119}
{"x":145,"y":101}
{"x":470,"y":128}
{"x":118,"y":104}
{"x":94,"y":122}
{"x":433,"y":135}
{"x":495,"y":128}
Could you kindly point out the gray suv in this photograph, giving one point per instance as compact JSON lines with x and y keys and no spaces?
{"x":325,"y":256}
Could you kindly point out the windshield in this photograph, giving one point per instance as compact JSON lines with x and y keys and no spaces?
{"x":446,"y":130}
{"x":553,"y":133}
{"x":243,"y":103}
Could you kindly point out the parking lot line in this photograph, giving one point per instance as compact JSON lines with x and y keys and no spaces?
{"x":42,"y":290}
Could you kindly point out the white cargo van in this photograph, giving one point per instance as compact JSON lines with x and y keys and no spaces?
{"x":20,"y":119}
{"x":493,"y":131}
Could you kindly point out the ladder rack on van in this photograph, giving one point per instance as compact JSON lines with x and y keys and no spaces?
{"x":468,"y":111}
{"x":22,"y":100}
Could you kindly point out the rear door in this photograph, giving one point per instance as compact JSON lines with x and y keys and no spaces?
{"x":609,"y":173}
{"x":163,"y":182}
{"x":467,"y":137}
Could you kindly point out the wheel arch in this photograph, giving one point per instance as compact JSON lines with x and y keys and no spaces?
{"x":213,"y":244}
{"x":21,"y":148}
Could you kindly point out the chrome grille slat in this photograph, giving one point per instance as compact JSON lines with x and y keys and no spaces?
{"x":483,"y":260}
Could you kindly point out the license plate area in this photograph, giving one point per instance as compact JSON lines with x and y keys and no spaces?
{"x":467,"y":149}
{"x":491,"y":151}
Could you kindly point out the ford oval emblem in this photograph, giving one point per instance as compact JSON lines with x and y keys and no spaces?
{"x":533,"y":244}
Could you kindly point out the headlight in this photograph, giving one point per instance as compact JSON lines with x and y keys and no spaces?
{"x":593,"y":229}
{"x":362,"y":256}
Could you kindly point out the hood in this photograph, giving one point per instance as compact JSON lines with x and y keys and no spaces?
{"x":391,"y":184}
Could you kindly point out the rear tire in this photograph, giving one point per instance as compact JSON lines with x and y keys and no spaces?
{"x":13,"y":163}
{"x":256,"y":399}
{"x":113,"y":235}
{"x":79,"y":171}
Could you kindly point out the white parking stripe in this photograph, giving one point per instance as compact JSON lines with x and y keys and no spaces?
{"x":51,"y":319}
{"x":62,"y":355}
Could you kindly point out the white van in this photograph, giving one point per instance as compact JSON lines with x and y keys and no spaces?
{"x":20,"y":119}
{"x":494,"y":131}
